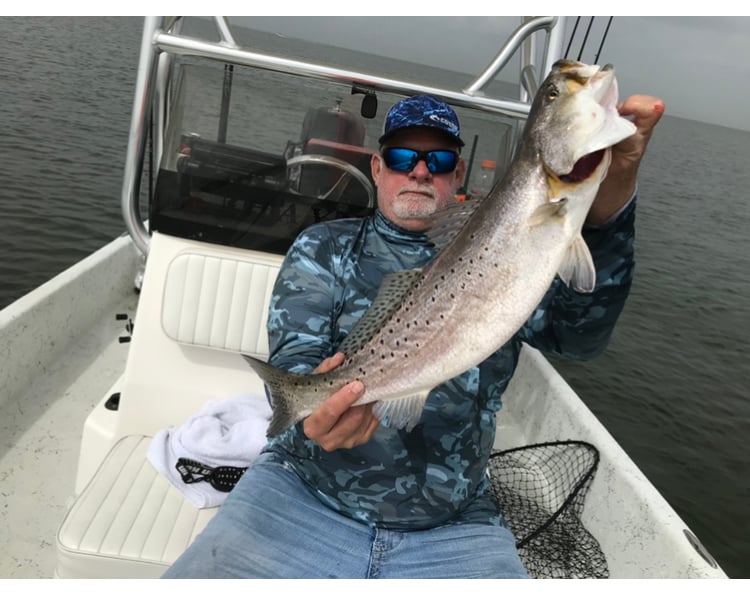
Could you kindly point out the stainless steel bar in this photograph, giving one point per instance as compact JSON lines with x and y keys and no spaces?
{"x":138,"y":134}
{"x":507,"y":51}
{"x":156,"y":42}
{"x":193,"y":47}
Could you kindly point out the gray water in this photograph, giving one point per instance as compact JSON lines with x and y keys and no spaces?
{"x":672,"y":387}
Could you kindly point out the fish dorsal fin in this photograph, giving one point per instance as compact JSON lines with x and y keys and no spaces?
{"x":403,"y":413}
{"x":577,"y":268}
{"x":450,"y":221}
{"x":390,"y":295}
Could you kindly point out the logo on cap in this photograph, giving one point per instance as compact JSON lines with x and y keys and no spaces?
{"x":421,"y":111}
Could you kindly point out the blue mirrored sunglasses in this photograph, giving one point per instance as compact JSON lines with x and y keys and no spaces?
{"x":404,"y":159}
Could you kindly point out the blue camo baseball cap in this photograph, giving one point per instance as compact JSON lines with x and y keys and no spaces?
{"x":421,"y":111}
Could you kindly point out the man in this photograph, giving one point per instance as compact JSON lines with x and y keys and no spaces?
{"x":339,"y":494}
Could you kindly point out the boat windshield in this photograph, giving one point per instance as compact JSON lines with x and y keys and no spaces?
{"x":251,"y":156}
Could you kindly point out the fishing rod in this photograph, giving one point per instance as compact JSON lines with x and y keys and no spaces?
{"x":604,"y":38}
{"x":585,"y":38}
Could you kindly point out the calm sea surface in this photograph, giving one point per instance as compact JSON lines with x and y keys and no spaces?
{"x":673,"y":387}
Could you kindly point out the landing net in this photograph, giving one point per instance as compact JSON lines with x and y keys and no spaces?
{"x":541,"y":490}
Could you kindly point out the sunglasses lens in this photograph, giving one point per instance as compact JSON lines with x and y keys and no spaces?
{"x":400,"y":159}
{"x":441,"y":161}
{"x":403,"y":159}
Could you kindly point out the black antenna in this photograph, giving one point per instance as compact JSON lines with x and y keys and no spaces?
{"x":585,"y":37}
{"x":464,"y":187}
{"x":572,"y":35}
{"x":604,"y":38}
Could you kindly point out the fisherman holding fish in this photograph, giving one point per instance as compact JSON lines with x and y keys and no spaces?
{"x":396,"y":486}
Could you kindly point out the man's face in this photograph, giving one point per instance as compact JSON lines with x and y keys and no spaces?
{"x":411,"y":199}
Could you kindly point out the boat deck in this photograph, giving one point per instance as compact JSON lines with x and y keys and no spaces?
{"x":41,"y":438}
{"x":42,"y":422}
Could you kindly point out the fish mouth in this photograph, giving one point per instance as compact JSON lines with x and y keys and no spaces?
{"x":574,"y":133}
{"x":601,"y":85}
{"x":584,"y":167}
{"x":604,"y":87}
{"x":604,"y":91}
{"x":599,"y":80}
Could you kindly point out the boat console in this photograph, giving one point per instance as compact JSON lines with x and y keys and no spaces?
{"x":244,"y":195}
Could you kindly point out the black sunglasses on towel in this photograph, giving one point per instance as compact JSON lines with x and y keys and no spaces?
{"x":405,"y":159}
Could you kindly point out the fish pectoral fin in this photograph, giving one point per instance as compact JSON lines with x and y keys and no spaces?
{"x":549,"y":211}
{"x":577,"y":269}
{"x":403,"y":413}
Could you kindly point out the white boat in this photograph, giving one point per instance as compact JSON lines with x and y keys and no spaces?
{"x":139,"y":335}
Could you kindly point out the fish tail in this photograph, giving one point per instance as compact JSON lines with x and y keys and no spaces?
{"x":281,"y":385}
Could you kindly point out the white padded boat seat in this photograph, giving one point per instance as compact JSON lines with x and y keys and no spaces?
{"x":201,"y":306}
{"x":218,"y":302}
{"x":129,"y":522}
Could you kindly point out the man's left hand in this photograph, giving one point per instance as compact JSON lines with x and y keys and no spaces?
{"x":619,"y":184}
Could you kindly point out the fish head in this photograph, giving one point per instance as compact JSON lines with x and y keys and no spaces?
{"x":574,"y":116}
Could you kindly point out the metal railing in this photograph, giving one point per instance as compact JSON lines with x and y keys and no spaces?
{"x":161,"y":41}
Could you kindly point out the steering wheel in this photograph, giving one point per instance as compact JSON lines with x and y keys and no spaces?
{"x":347,"y":167}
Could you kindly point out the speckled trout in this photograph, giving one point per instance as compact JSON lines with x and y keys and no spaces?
{"x":496,"y":259}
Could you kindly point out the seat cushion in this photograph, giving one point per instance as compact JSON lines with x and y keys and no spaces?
{"x":129,"y":521}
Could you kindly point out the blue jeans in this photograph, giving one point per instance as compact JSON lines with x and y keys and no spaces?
{"x":272,"y":526}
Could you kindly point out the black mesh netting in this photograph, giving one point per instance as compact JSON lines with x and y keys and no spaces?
{"x":541,"y":490}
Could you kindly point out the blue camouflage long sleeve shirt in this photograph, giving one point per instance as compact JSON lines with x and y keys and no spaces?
{"x":437,"y":472}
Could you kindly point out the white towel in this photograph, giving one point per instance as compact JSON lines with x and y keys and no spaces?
{"x":226,"y":432}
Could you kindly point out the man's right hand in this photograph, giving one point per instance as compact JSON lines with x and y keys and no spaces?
{"x":336,"y":423}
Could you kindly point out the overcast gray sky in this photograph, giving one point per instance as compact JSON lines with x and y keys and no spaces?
{"x":699,"y":65}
